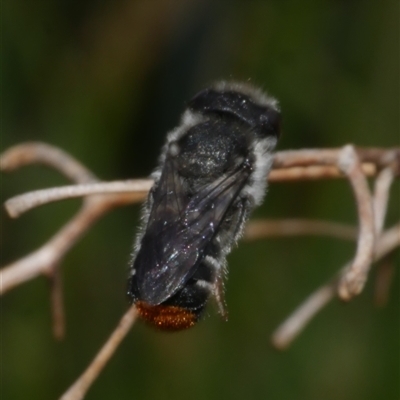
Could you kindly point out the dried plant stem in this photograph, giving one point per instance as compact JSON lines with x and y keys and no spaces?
{"x":387,"y":242}
{"x":354,"y":278}
{"x":302,"y":315}
{"x":41,"y":153}
{"x":295,"y":158}
{"x":383,"y":183}
{"x":385,"y":271}
{"x":42,"y":260}
{"x":78,"y":390}
{"x":46,"y":258}
{"x":295,"y":323}
{"x":25,"y":202}
{"x":314,"y":172}
{"x":57,"y":304}
{"x":20,"y":204}
{"x":260,"y":229}
{"x":288,"y":166}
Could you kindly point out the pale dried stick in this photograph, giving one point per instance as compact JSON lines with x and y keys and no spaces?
{"x":295,"y":323}
{"x":316,"y":301}
{"x":20,"y":204}
{"x":43,"y":260}
{"x":25,"y":202}
{"x":383,"y":183}
{"x":313,"y":172}
{"x":287,"y":166}
{"x":259,"y":229}
{"x":354,"y":278}
{"x":57,"y":303}
{"x":47,"y":257}
{"x":312,"y":157}
{"x":41,"y":153}
{"x":78,"y":390}
{"x":305,"y":158}
{"x":385,"y":271}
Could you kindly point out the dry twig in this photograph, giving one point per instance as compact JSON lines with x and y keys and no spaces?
{"x":354,"y":278}
{"x":42,"y":153}
{"x":57,"y":302}
{"x":301,"y":316}
{"x":381,"y":196}
{"x":260,"y":229}
{"x":288,"y":166}
{"x":25,"y":202}
{"x":78,"y":390}
{"x":295,"y":323}
{"x":45,"y":259}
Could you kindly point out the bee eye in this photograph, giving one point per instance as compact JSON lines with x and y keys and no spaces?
{"x":270,"y":122}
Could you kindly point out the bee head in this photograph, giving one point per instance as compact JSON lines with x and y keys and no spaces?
{"x":242,"y":102}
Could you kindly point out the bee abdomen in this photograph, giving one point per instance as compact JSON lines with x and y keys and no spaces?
{"x":166,"y":317}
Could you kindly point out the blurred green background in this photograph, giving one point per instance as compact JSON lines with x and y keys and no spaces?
{"x":105,"y":80}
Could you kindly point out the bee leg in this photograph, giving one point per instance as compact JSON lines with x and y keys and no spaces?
{"x":232,"y":229}
{"x":241,"y":216}
{"x":216,"y":284}
{"x":230,"y":233}
{"x":219,"y":296}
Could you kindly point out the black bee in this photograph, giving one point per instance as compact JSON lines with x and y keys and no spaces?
{"x":212,"y":173}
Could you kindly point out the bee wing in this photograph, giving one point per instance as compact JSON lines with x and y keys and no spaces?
{"x":180,"y":230}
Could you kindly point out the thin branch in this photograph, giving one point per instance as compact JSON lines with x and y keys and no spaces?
{"x":385,"y":271}
{"x":383,"y":282}
{"x":313,"y":172}
{"x":260,"y":229}
{"x":295,"y":323}
{"x":288,"y":166}
{"x":20,"y":204}
{"x":25,"y":202}
{"x":387,"y":242}
{"x":43,"y":260}
{"x":41,"y":153}
{"x":305,"y":158}
{"x":78,"y":390}
{"x":383,"y":183}
{"x":354,"y":278}
{"x":303,"y":314}
{"x":295,"y":158}
{"x":57,"y":304}
{"x":46,"y":258}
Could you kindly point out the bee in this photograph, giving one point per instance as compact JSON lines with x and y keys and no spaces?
{"x":211,"y":174}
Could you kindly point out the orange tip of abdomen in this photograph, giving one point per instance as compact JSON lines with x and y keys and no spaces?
{"x":165,"y":317}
